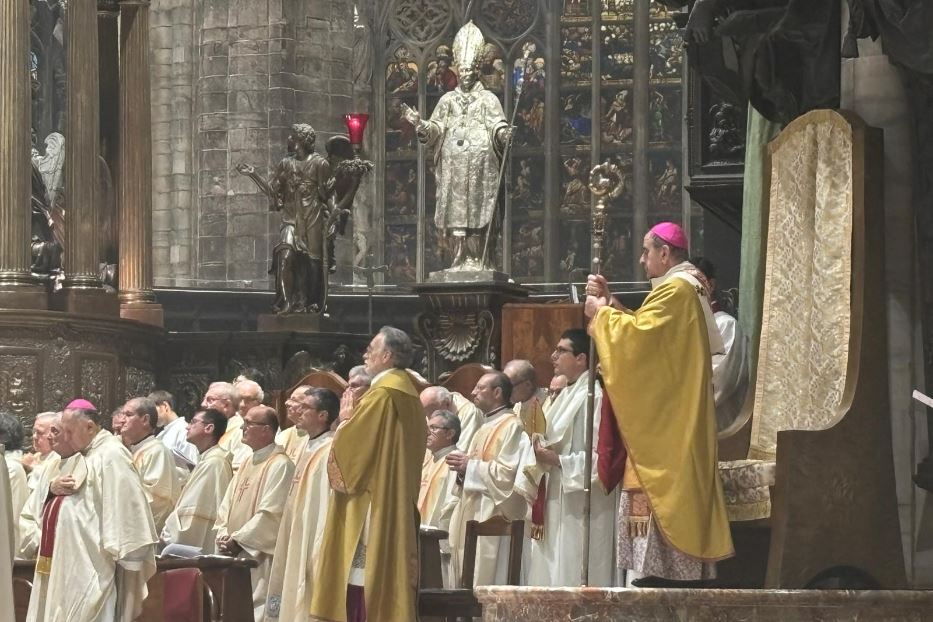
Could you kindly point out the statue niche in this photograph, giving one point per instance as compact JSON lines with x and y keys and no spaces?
{"x":314,"y":195}
{"x":47,"y":208}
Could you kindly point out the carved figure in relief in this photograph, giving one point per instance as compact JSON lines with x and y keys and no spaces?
{"x":313,"y":195}
{"x":468,"y":133}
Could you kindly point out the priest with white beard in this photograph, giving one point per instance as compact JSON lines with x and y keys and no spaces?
{"x":436,"y":500}
{"x":98,"y":539}
{"x":486,"y":480}
{"x":154,"y":462}
{"x":555,"y":555}
{"x":251,"y":510}
{"x":30,"y":520}
{"x":438,"y":398}
{"x":43,"y":454}
{"x":191,"y":522}
{"x":292,"y":575}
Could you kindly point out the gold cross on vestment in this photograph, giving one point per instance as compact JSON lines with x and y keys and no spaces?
{"x":241,"y":490}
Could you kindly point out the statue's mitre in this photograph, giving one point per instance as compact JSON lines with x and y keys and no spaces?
{"x":468,"y":46}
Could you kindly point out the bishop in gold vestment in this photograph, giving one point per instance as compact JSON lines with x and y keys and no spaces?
{"x":374,"y":468}
{"x":657,"y":371}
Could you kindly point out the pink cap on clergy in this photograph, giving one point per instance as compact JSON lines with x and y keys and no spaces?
{"x":80,"y":403}
{"x":670,"y":233}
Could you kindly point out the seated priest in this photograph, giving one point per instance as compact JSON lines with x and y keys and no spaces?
{"x":173,"y":431}
{"x":249,"y":515}
{"x":192,"y":521}
{"x":436,"y":500}
{"x":154,"y":461}
{"x":485,"y":480}
{"x":730,"y":369}
{"x":42,"y":452}
{"x":11,"y":439}
{"x":367,"y":567}
{"x":98,"y":540}
{"x":292,"y":576}
{"x":528,"y":397}
{"x":657,"y":375}
{"x":553,"y":477}
{"x":30,"y":520}
{"x":293,"y":439}
{"x":471,"y":418}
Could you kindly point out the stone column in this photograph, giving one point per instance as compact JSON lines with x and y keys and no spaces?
{"x":137,"y":300}
{"x":82,"y":290}
{"x":18,"y":288}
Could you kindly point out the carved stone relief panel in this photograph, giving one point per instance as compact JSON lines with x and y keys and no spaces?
{"x":20,"y":382}
{"x":138,"y":382}
{"x":97,"y":376}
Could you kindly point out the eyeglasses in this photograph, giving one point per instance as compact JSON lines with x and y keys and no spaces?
{"x":437,"y":428}
{"x":194,"y":421}
{"x":252,"y":424}
{"x":562,"y":350}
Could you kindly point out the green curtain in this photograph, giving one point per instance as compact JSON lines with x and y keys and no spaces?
{"x":759,"y":133}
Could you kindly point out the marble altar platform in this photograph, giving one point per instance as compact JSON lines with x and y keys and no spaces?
{"x":530,"y":604}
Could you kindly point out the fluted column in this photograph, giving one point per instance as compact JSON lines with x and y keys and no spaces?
{"x":82,"y":290}
{"x":137,"y":300}
{"x":18,"y":288}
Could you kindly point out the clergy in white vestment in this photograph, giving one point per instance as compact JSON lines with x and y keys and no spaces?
{"x":251,"y":511}
{"x":98,"y":538}
{"x":730,"y":368}
{"x":557,"y":458}
{"x":191,"y":522}
{"x":30,"y":519}
{"x":11,"y":437}
{"x":293,"y":439}
{"x":292,"y":576}
{"x":7,"y":543}
{"x":153,"y":460}
{"x":42,"y":453}
{"x":225,"y":397}
{"x":471,"y":418}
{"x":436,"y":500}
{"x":174,"y":432}
{"x":485,"y":480}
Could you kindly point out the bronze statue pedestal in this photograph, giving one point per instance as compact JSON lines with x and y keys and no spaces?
{"x":451,"y":275}
{"x":462,"y":322}
{"x":293,"y":322}
{"x":150,"y":313}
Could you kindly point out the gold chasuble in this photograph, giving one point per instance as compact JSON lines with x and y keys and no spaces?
{"x":375,"y":469}
{"x":656,"y":367}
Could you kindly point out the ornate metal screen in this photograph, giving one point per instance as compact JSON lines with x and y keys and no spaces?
{"x":604,"y":82}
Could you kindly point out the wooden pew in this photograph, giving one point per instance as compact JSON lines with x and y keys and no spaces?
{"x":226,"y":581}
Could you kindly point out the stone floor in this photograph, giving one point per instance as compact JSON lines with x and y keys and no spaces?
{"x":528,"y":604}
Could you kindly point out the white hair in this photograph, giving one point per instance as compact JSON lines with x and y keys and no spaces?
{"x":250,"y":385}
{"x":228,"y":390}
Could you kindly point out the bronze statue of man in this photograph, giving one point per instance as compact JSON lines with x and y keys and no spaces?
{"x":299,"y":189}
{"x":468,"y":132}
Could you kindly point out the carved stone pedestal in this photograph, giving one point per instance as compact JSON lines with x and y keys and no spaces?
{"x":297,"y":323}
{"x":461,"y":322}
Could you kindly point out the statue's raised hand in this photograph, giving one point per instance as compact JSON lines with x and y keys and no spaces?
{"x":245,"y":169}
{"x":411,"y":115}
{"x":701,"y":20}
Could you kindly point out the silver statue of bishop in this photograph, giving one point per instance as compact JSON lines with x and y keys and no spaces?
{"x":468,"y":133}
